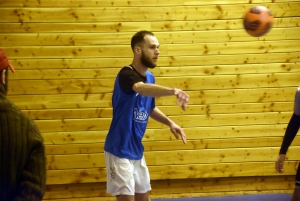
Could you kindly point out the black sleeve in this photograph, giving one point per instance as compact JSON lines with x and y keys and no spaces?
{"x":297,"y":102}
{"x":128,"y":77}
{"x":290,"y":133}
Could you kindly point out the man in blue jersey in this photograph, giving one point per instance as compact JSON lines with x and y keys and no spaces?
{"x":290,"y":133}
{"x":133,"y":103}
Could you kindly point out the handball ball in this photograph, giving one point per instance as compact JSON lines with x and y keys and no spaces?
{"x":258,"y":21}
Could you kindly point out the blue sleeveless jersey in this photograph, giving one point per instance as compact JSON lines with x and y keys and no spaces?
{"x":130,"y":118}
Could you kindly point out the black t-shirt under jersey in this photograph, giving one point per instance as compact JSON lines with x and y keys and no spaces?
{"x":128,"y":76}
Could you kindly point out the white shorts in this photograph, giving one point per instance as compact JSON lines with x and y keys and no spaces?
{"x":126,"y":177}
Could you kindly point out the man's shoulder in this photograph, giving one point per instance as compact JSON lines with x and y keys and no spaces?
{"x":149,"y":73}
{"x":18,"y":113}
{"x":150,"y":77}
{"x":126,"y":70}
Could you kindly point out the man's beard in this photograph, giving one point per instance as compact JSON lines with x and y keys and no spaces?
{"x":146,"y":61}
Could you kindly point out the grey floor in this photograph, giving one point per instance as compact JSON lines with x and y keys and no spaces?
{"x":268,"y":197}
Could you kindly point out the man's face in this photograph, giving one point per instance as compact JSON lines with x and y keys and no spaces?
{"x":149,"y":51}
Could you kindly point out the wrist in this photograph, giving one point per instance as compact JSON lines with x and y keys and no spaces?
{"x":170,"y":123}
{"x":174,"y":91}
{"x":282,"y":152}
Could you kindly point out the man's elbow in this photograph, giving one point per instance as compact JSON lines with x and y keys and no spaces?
{"x":139,"y":87}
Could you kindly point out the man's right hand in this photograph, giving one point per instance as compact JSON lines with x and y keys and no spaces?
{"x":182,"y":98}
{"x":279,"y":163}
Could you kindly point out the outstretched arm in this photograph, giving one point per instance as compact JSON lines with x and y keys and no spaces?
{"x":157,"y":115}
{"x":290,"y":133}
{"x":289,"y":136}
{"x":154,"y":90}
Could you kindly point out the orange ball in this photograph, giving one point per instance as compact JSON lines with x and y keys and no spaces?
{"x":258,"y":21}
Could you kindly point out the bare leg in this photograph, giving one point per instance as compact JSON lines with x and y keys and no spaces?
{"x":142,"y":197}
{"x":125,"y":198}
{"x":296,"y":195}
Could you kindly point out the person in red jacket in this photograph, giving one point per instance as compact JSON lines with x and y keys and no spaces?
{"x":22,"y":153}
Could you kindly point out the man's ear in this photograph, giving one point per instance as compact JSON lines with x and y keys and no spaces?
{"x":2,"y":76}
{"x":137,"y":50}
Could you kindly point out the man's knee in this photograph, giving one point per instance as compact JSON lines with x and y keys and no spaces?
{"x":125,"y":198}
{"x":142,"y":197}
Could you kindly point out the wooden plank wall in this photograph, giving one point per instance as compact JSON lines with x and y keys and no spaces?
{"x":241,"y":89}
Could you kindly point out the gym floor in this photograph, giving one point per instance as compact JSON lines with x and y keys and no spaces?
{"x":266,"y":197}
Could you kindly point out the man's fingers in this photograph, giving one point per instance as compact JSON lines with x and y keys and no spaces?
{"x":180,"y":95}
{"x":182,"y":100}
{"x":279,"y":166}
{"x":175,"y":134}
{"x":184,"y":106}
{"x":183,"y":138}
{"x":178,"y":132}
{"x":280,"y":163}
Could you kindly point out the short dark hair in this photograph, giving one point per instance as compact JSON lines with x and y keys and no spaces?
{"x":139,"y":37}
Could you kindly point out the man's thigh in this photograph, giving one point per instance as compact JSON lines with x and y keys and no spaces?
{"x":141,"y":177}
{"x":119,"y":173}
{"x":126,"y":177}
